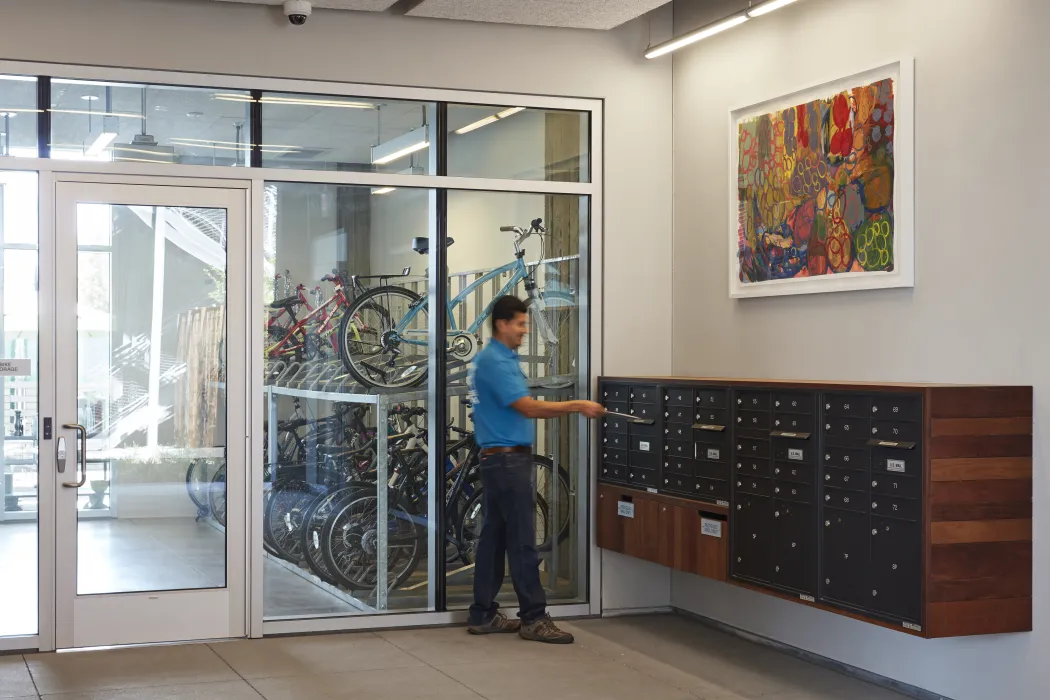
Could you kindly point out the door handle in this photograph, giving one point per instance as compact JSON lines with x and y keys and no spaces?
{"x":83,"y":455}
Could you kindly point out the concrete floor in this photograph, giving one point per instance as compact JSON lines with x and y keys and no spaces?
{"x":658,"y":657}
{"x":151,"y":554}
{"x":144,"y":554}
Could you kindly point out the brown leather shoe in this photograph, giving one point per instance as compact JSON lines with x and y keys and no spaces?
{"x":499,"y":623}
{"x":544,"y":630}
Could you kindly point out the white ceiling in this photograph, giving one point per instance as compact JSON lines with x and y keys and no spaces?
{"x":364,"y":5}
{"x":579,"y":14}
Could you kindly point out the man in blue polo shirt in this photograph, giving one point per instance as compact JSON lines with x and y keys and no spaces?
{"x":503,"y":415}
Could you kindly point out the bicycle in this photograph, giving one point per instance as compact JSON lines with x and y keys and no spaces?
{"x":386,"y":354}
{"x":306,"y":337}
{"x":349,"y":537}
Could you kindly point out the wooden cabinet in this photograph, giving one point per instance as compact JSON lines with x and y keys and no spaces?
{"x":664,"y":530}
{"x":909,"y":506}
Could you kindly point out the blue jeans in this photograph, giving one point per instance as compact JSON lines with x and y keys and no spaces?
{"x":508,"y":532}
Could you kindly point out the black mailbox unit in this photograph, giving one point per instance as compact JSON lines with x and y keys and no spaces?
{"x":825,"y":486}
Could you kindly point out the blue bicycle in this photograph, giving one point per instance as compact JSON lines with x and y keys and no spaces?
{"x":383,"y":334}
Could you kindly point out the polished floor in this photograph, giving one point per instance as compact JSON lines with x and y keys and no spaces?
{"x":653,"y":657}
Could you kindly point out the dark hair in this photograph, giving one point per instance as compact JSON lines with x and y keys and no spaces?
{"x":506,"y":308}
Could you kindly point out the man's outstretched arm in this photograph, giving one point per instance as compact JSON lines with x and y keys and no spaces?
{"x":531,"y":408}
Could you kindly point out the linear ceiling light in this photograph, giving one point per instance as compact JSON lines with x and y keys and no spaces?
{"x":383,"y":190}
{"x":127,"y":115}
{"x":232,"y":97}
{"x":762,"y":8}
{"x":492,"y":118}
{"x":311,"y":102}
{"x":697,"y":35}
{"x":406,"y":144}
{"x":100,"y":144}
{"x":17,"y":110}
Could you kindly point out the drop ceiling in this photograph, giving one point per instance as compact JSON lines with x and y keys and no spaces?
{"x":578,"y":14}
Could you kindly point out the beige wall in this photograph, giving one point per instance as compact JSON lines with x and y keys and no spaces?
{"x":976,"y":314}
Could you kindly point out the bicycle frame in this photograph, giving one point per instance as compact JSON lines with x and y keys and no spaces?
{"x":325,"y":321}
{"x":520,"y":273}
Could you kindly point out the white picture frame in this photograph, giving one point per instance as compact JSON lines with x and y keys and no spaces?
{"x":902,"y":72}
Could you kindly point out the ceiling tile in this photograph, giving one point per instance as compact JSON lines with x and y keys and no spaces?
{"x":367,"y":5}
{"x":583,"y":14}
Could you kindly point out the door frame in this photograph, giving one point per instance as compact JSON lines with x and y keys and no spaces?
{"x":58,"y":600}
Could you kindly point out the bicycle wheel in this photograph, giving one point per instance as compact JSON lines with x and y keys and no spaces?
{"x":283,"y":517}
{"x":197,"y":484}
{"x":371,"y":346}
{"x":468,"y":529}
{"x":217,"y":495}
{"x":562,"y":495}
{"x":350,"y":543}
{"x":314,"y":520}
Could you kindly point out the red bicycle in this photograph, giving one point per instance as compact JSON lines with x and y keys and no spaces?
{"x":305,"y":338}
{"x":275,"y":319}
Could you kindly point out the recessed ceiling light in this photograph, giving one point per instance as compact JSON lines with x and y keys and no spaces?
{"x":89,"y":98}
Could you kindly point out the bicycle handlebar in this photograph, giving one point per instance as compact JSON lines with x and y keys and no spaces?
{"x":402,"y":410}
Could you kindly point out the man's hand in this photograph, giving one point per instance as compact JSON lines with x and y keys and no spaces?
{"x":592,"y":409}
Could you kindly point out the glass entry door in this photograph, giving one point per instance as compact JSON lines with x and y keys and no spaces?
{"x":150,"y":428}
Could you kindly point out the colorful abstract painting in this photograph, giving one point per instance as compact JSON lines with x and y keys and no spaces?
{"x":815,"y":188}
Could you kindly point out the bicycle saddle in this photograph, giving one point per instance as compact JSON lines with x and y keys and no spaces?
{"x":289,"y":303}
{"x":422,"y":245}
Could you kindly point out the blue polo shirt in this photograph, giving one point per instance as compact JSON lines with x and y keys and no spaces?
{"x":496,"y":382}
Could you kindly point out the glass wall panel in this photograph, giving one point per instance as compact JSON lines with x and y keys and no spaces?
{"x":151,"y":338}
{"x":149,"y":123}
{"x":19,"y":258}
{"x":518,"y":144}
{"x":18,"y":116}
{"x":324,"y":132}
{"x":483,"y":265}
{"x":343,"y":267}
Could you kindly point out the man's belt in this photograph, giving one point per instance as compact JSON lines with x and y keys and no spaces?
{"x":517,"y":449}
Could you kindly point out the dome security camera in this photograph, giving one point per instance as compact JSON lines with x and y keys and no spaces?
{"x":297,"y":11}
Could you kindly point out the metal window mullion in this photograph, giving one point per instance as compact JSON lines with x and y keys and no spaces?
{"x":438,"y":361}
{"x":43,"y":117}
{"x":255,"y":128}
{"x":382,"y":504}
